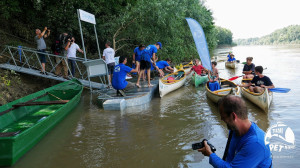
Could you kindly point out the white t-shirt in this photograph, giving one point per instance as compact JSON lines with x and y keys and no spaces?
{"x":109,"y":55}
{"x":72,"y":50}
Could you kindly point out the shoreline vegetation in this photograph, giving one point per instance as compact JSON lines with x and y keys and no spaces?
{"x":289,"y":35}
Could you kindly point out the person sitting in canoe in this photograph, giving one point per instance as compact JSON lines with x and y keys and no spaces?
{"x":213,"y":77}
{"x":261,"y":81}
{"x":119,"y":76}
{"x":198,"y":68}
{"x":165,"y":65}
{"x":231,"y":58}
{"x":228,"y":56}
{"x":248,"y":69}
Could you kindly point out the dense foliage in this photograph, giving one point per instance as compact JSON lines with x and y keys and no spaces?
{"x":287,"y":35}
{"x":224,"y":36}
{"x":126,"y":23}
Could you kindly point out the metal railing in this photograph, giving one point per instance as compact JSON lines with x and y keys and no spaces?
{"x":24,"y":57}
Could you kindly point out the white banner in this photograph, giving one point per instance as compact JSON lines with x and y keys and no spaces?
{"x":87,"y":17}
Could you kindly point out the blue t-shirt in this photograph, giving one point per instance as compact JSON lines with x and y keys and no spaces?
{"x":262,"y":81}
{"x":148,"y":52}
{"x":119,"y":76}
{"x":245,"y":151}
{"x":231,"y":59}
{"x":162,"y":64}
{"x":138,"y":53}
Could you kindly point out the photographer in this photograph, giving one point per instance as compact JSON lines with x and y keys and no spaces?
{"x":245,"y":146}
{"x":63,"y":40}
{"x":71,"y":48}
{"x":41,"y":45}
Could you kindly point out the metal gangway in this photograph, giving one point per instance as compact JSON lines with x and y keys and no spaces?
{"x":26,"y":60}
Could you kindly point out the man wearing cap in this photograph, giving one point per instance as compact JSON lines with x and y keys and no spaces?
{"x":148,"y":56}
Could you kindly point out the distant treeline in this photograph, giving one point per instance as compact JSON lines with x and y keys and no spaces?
{"x":287,"y":35}
{"x":224,"y":36}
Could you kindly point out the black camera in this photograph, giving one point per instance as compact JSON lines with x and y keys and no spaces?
{"x":200,"y":145}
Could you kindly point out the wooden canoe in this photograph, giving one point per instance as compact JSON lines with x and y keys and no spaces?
{"x":231,"y":65}
{"x":227,"y":87}
{"x":166,"y":86}
{"x":197,"y":80}
{"x":24,"y":122}
{"x":262,"y":100}
{"x":187,"y":68}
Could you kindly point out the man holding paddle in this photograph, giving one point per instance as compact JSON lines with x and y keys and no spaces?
{"x":261,"y":81}
{"x":245,"y":146}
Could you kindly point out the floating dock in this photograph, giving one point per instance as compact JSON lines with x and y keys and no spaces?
{"x":134,"y":97}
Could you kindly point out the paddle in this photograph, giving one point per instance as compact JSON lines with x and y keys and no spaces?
{"x":234,"y":78}
{"x":280,"y":90}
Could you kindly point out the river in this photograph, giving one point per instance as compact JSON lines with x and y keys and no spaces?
{"x":160,"y":134}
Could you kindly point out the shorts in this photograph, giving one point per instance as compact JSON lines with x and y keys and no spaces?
{"x":42,"y":56}
{"x":110,"y":68}
{"x":145,"y":65}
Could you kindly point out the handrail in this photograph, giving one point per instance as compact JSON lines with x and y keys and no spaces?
{"x":26,"y":57}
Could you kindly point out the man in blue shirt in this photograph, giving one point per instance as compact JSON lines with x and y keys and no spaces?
{"x":246,"y":147}
{"x":165,"y":65}
{"x":137,"y":53}
{"x":119,"y":75}
{"x":148,"y":56}
{"x":231,"y":58}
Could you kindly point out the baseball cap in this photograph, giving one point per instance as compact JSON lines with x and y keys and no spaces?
{"x":160,"y":45}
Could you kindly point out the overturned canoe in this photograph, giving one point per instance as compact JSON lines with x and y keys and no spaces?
{"x":262,"y":100}
{"x":24,"y":122}
{"x":227,"y":87}
{"x":166,"y":85}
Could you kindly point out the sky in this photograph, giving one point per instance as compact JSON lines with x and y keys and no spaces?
{"x":254,"y":18}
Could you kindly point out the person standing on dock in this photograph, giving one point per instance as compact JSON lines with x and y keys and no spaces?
{"x":109,"y":57}
{"x":72,"y":47}
{"x":137,"y":53}
{"x":148,"y":54}
{"x":119,"y":76}
{"x":248,"y":69}
{"x":246,"y":141}
{"x":41,"y":46}
{"x":64,"y":39}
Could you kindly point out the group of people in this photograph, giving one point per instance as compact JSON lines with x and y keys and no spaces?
{"x":145,"y":60}
{"x":245,"y":146}
{"x":259,"y":81}
{"x":65,"y":45}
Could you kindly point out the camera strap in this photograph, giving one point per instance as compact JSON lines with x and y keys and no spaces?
{"x":227,"y":145}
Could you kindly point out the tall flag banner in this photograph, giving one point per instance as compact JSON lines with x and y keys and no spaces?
{"x":200,"y":42}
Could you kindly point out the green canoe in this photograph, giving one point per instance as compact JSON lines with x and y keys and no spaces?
{"x":24,"y":122}
{"x":197,"y":80}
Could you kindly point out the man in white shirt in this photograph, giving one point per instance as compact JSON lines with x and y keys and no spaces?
{"x":109,"y":57}
{"x":72,"y":47}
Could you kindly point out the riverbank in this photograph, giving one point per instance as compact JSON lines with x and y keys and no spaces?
{"x":14,"y":86}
